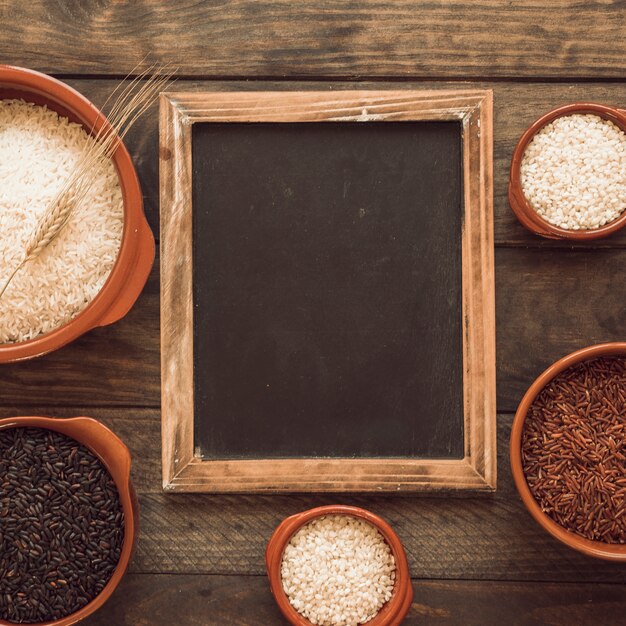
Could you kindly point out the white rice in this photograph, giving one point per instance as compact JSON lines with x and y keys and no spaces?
{"x":338,"y":570}
{"x":38,"y":152}
{"x":573,"y":172}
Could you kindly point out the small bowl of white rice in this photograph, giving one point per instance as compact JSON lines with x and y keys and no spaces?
{"x":568,"y":173}
{"x":338,"y":566}
{"x":93,"y":272}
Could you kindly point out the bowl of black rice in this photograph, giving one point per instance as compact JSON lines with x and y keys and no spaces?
{"x":68,"y":518}
{"x":568,"y":450}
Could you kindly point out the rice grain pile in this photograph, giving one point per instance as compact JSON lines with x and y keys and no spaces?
{"x":61,"y":525}
{"x":338,"y":570}
{"x":38,"y":152}
{"x":573,"y":172}
{"x":574,"y":449}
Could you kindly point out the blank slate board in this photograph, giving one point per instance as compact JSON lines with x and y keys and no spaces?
{"x":330,"y":322}
{"x":327,"y":289}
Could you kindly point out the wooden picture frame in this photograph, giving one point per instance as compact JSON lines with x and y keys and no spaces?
{"x":182,"y":470}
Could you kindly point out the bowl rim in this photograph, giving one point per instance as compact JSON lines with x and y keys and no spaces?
{"x":524,"y":212}
{"x":74,"y":428}
{"x":598,"y":549}
{"x":394,"y":610}
{"x":137,"y":248}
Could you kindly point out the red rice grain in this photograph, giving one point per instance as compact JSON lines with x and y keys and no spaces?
{"x":574,"y":449}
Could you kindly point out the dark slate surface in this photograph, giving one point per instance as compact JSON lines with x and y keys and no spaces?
{"x":327,"y":287}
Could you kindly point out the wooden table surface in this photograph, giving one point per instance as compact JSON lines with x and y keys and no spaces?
{"x":475,"y":561}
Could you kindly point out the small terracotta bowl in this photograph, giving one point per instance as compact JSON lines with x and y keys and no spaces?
{"x":598,"y":549}
{"x":391,"y":614}
{"x":116,"y":458}
{"x":136,"y":254}
{"x":520,"y":205}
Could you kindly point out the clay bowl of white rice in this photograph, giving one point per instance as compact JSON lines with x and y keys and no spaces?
{"x":568,"y":173}
{"x":94,"y":271}
{"x":338,"y":566}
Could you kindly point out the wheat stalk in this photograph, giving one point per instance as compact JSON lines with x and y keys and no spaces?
{"x":132,"y":102}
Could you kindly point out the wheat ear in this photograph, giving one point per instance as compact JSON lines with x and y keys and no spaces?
{"x":130,"y":104}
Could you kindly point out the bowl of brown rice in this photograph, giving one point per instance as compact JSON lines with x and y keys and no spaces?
{"x":338,"y":565}
{"x":568,"y":173}
{"x":94,"y":271}
{"x":568,"y":450}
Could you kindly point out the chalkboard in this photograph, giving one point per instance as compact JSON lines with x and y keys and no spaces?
{"x":329,"y":288}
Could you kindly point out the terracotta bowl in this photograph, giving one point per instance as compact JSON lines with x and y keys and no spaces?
{"x":520,"y":205}
{"x":611,"y":552}
{"x":116,"y":458}
{"x":391,"y":614}
{"x":136,"y":254}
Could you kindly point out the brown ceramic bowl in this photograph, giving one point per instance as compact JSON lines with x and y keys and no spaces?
{"x":136,"y":254}
{"x":611,"y":552}
{"x":116,"y":458}
{"x":391,"y":614}
{"x":520,"y":205}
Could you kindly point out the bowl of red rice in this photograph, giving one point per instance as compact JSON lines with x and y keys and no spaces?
{"x":568,"y":450}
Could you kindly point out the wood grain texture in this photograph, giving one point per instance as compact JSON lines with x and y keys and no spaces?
{"x":182,"y":470}
{"x":161,"y":600}
{"x":176,"y":291}
{"x":480,"y":538}
{"x":120,"y":363}
{"x":516,"y":106}
{"x":549,"y":302}
{"x":114,"y":365}
{"x":280,"y":38}
{"x":479,"y":348}
{"x":488,"y":538}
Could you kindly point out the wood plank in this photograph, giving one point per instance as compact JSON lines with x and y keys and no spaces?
{"x":479,"y":539}
{"x":115,"y":365}
{"x":280,"y":38}
{"x":516,"y":106}
{"x":161,"y":600}
{"x":177,"y":298}
{"x":489,"y":538}
{"x":549,"y":302}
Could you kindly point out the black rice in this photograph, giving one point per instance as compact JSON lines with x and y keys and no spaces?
{"x":61,"y":525}
{"x":574,"y":449}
